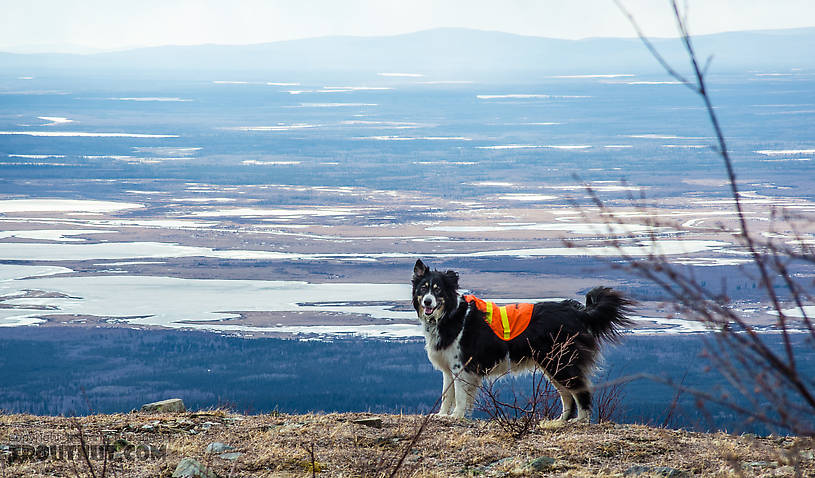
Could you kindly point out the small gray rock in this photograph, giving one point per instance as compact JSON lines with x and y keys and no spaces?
{"x":369,"y":422}
{"x":190,"y":468}
{"x":218,"y":447}
{"x":173,"y":405}
{"x":665,"y":471}
{"x":542,"y":464}
{"x":121,"y":444}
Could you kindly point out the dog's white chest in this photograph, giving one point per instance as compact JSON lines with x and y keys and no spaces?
{"x":446,"y":359}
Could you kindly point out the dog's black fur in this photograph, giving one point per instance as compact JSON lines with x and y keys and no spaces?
{"x":563,"y":338}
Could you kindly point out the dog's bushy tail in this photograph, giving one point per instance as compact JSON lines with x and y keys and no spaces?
{"x":606,"y":313}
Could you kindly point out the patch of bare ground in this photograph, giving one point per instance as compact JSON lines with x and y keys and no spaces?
{"x":145,"y":445}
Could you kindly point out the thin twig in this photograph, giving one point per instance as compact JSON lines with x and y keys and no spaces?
{"x":415,"y":438}
{"x":310,"y":451}
{"x":83,"y":446}
{"x":744,"y":358}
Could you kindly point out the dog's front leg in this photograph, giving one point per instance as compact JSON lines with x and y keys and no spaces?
{"x":466,"y":386}
{"x":448,"y":398}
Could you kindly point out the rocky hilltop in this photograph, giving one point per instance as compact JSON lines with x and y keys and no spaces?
{"x":225,"y":444}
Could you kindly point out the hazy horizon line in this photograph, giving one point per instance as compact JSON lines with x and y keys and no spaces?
{"x":77,"y":49}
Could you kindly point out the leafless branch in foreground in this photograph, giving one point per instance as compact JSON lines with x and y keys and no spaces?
{"x":765,"y":383}
{"x":609,"y":398}
{"x":312,"y":458}
{"x":390,"y":466}
{"x":84,"y":452}
{"x":519,"y":414}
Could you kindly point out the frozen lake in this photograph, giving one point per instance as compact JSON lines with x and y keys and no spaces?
{"x":175,"y":302}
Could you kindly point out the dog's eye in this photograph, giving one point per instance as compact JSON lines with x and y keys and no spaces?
{"x":435,"y":287}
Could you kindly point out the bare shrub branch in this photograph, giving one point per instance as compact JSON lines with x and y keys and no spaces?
{"x":520,"y":414}
{"x":389,"y":465}
{"x":764,"y":381}
{"x":609,"y":398}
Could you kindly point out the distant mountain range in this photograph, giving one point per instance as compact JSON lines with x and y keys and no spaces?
{"x":444,"y":52}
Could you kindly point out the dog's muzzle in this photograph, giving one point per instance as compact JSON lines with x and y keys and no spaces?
{"x":429,"y":307}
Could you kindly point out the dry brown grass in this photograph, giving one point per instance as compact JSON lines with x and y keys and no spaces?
{"x":276,"y":445}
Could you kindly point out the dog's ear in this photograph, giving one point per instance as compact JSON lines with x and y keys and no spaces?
{"x":419,"y":269}
{"x":452,"y":279}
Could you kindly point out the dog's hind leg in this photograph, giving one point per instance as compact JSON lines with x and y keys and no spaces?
{"x":566,"y":399}
{"x":466,"y":386}
{"x":574,"y":388}
{"x":448,"y":391}
{"x":583,"y":399}
{"x":580,"y":388}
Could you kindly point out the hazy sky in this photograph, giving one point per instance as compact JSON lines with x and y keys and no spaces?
{"x":61,"y":25}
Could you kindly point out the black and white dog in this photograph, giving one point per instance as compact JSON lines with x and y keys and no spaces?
{"x":562,"y":338}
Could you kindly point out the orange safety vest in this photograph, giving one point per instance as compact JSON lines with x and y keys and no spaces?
{"x":507,"y":321}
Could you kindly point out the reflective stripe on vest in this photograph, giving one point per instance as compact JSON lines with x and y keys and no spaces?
{"x":514,"y":317}
{"x":504,"y":322}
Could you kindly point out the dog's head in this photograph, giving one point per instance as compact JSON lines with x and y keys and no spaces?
{"x":434,"y":292}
